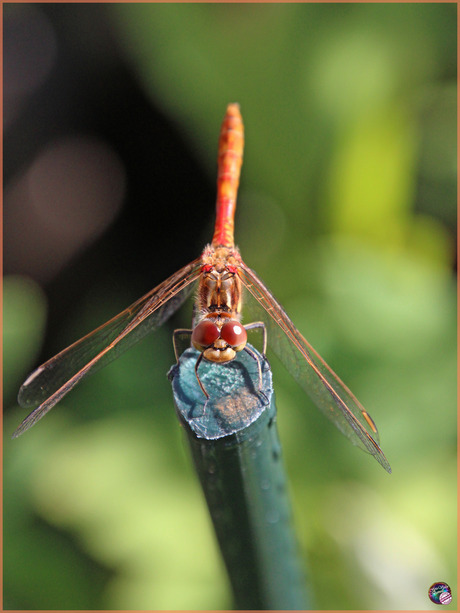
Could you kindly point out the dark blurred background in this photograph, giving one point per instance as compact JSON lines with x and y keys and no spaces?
{"x":347,"y":210}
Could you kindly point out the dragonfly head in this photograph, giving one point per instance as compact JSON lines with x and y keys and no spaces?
{"x":219,"y":343}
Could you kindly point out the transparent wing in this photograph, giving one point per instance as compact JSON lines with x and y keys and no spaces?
{"x":50,"y":382}
{"x":326,"y":390}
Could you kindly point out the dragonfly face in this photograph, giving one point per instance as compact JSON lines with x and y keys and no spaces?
{"x":219,"y":337}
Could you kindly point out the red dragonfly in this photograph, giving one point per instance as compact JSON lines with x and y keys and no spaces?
{"x":218,"y":333}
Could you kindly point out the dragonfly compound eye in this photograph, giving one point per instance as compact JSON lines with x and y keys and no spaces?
{"x":204,"y":334}
{"x":233,"y":333}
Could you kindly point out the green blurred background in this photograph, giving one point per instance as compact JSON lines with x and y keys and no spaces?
{"x":347,"y":210}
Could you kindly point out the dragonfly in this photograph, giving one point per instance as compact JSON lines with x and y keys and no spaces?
{"x":219,"y":277}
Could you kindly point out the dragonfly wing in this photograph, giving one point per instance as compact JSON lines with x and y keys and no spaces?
{"x":326,"y":390}
{"x":56,"y":377}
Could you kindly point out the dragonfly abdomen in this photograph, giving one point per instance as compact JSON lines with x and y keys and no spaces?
{"x":230,"y":158}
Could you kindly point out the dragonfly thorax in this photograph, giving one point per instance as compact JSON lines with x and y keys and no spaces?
{"x":220,"y":286}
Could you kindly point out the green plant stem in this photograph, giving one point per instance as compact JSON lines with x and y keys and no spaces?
{"x":237,"y":455}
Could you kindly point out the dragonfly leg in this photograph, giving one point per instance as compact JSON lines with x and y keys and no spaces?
{"x":203,"y":389}
{"x":259,"y":368}
{"x":176,"y":340}
{"x":259,"y":325}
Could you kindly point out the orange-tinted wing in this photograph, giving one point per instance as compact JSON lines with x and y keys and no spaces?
{"x":55,"y":378}
{"x":326,"y":390}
